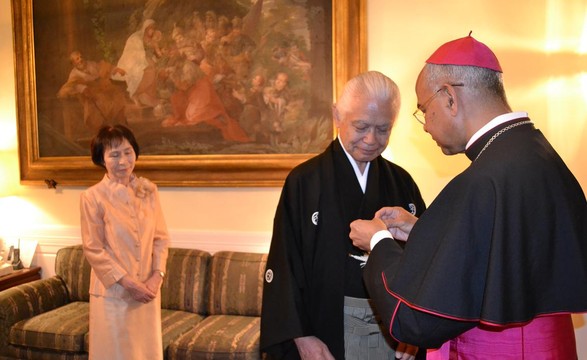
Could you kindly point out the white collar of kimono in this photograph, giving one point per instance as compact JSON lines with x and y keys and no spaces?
{"x":362,"y":178}
{"x":495,"y":122}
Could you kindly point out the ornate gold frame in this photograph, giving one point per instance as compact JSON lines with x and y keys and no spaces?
{"x":349,"y":58}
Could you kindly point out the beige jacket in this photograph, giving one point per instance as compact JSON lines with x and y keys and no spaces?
{"x":123,"y":233}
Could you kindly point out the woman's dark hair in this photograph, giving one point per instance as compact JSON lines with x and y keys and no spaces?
{"x":109,"y":136}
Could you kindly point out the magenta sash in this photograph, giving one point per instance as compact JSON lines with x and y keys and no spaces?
{"x":547,"y":337}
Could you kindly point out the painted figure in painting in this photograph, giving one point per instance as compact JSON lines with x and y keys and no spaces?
{"x":277,"y":97}
{"x":138,"y":60}
{"x":89,"y":82}
{"x":195,"y":101}
{"x":254,"y":108}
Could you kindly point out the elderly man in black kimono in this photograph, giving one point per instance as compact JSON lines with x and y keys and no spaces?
{"x":314,"y":292}
{"x":496,"y":264}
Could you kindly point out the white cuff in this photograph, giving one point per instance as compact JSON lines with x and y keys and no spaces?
{"x":378,"y":236}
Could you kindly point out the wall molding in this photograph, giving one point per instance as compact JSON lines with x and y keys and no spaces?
{"x":51,"y":239}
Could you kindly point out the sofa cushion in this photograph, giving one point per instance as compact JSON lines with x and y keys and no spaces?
{"x":236,"y":283}
{"x":184,"y":287}
{"x":219,"y":337}
{"x":173,"y":324}
{"x":73,"y":268}
{"x":60,"y":329}
{"x":20,"y":352}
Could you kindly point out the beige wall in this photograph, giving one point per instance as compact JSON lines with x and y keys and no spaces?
{"x":541,"y":45}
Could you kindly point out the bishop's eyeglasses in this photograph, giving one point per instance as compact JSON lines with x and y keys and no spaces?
{"x":420,"y":113}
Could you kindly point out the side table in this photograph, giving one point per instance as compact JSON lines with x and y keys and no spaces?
{"x":20,"y":277}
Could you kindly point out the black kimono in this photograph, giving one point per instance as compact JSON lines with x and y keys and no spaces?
{"x":309,"y":270}
{"x":503,"y":243}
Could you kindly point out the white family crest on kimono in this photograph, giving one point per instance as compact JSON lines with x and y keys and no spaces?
{"x":412,"y":207}
{"x":315,"y":218}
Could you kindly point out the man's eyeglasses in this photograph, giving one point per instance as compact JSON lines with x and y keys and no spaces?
{"x":420,"y":113}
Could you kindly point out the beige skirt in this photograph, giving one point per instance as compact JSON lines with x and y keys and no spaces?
{"x":125,"y":329}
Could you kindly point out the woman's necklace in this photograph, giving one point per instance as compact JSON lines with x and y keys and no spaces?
{"x":501,"y":132}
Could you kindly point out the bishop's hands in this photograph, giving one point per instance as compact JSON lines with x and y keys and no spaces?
{"x":396,"y":220}
{"x":363,"y":230}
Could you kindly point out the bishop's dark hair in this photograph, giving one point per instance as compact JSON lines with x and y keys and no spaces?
{"x":109,"y":136}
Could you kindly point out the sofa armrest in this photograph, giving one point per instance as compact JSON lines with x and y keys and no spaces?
{"x":28,"y":300}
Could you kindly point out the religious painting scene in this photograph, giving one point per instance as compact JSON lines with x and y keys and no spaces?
{"x":188,"y":77}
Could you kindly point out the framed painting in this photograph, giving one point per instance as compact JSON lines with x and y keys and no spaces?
{"x":217,"y":92}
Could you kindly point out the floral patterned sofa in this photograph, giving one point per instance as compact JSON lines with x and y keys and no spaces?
{"x":211,"y":308}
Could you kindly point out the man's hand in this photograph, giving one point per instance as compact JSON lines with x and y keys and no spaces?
{"x":363,"y":230}
{"x":406,"y":351}
{"x":137,"y":290}
{"x":312,"y":348}
{"x":399,"y":222}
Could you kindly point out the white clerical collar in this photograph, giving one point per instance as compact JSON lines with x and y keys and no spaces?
{"x":362,"y":178}
{"x":496,"y":122}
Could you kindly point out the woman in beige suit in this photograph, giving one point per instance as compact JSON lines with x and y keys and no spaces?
{"x":125,"y":240}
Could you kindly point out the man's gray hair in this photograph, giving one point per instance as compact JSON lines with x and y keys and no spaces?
{"x":374,"y":85}
{"x":479,"y":82}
